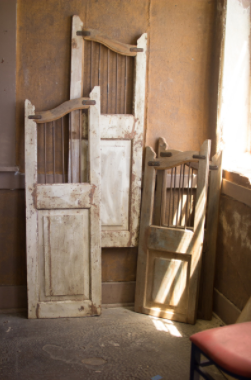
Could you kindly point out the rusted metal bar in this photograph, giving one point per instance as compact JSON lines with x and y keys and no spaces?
{"x":83,"y":33}
{"x":34,"y":117}
{"x":174,"y":190}
{"x":89,"y":102}
{"x":153,"y":163}
{"x":62,"y":142}
{"x":116,"y":107}
{"x":170,"y":197}
{"x":107,"y":80}
{"x":99,"y":58}
{"x":80,"y":130}
{"x":136,"y":50}
{"x":178,"y":196}
{"x":199,"y":157}
{"x":187,"y":195}
{"x":45,"y":152}
{"x":125,"y":84}
{"x":53,"y":131}
{"x":166,"y":154}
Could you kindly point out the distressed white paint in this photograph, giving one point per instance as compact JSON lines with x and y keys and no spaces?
{"x":123,"y":127}
{"x":234,"y":89}
{"x":64,"y":196}
{"x":63,"y":243}
{"x":115,"y":184}
{"x":31,"y":213}
{"x":66,"y":252}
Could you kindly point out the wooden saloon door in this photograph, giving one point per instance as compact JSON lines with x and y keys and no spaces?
{"x":169,"y":257}
{"x":98,"y":60}
{"x":62,"y":219}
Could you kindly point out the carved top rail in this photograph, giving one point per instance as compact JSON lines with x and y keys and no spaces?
{"x":176,"y":159}
{"x":116,"y":46}
{"x":62,"y":110}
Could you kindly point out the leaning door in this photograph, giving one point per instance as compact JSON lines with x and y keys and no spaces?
{"x":62,"y":218}
{"x":169,"y":258}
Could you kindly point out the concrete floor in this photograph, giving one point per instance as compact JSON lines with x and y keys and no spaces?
{"x":119,"y":344}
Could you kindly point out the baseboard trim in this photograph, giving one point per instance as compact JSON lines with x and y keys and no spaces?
{"x":114,"y":294}
{"x":225,"y":309}
{"x":237,"y":192}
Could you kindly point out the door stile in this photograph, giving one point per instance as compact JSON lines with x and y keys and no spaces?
{"x":145,"y":223}
{"x":95,"y":179}
{"x":199,"y":223}
{"x":31,"y":211}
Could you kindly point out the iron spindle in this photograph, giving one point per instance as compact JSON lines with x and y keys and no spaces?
{"x":91,"y":68}
{"x":80,"y":131}
{"x":190,"y":204}
{"x":70,"y":145}
{"x":107,"y":80}
{"x":182,"y":196}
{"x":116,"y":83}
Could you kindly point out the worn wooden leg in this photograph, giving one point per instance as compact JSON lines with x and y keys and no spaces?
{"x":195,"y":361}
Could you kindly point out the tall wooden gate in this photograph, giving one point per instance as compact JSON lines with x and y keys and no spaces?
{"x":120,"y":70}
{"x":62,"y":219}
{"x":169,"y":258}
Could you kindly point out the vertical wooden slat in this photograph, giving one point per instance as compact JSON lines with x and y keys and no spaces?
{"x":45,"y":153}
{"x":99,"y":58}
{"x":76,"y":91}
{"x":80,"y":143}
{"x":91,"y":46}
{"x":177,"y":215}
{"x":107,"y":80}
{"x":53,"y":132}
{"x":62,"y":142}
{"x":125,"y":93}
{"x":170,"y":198}
{"x":174,"y":192}
{"x":116,"y":101}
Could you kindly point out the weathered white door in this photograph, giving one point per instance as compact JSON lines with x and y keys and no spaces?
{"x":63,"y":224}
{"x":169,"y":258}
{"x":108,"y":63}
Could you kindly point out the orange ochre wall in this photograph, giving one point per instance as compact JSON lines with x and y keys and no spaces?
{"x":180,"y":82}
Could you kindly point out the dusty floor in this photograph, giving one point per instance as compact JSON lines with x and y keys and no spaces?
{"x":118,"y":345}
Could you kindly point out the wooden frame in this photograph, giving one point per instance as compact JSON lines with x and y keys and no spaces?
{"x":116,"y":127}
{"x":165,"y":246}
{"x":66,"y":215}
{"x":205,"y":306}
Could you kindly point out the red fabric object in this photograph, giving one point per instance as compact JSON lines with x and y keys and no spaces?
{"x":228,"y":346}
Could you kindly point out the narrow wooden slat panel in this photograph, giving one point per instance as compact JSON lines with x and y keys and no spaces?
{"x":116,"y":46}
{"x":62,"y":110}
{"x":66,"y":309}
{"x":117,"y":126}
{"x":176,"y":240}
{"x":64,"y":196}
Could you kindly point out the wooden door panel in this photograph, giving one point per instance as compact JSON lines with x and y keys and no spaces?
{"x":167,"y":280}
{"x":66,"y":253}
{"x":161,"y":238}
{"x":64,"y":196}
{"x":115,"y":184}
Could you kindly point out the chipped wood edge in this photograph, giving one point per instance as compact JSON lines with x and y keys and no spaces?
{"x":31,"y":213}
{"x":95,"y":223}
{"x":145,"y":222}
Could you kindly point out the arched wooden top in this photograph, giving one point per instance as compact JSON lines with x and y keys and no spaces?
{"x":62,"y":110}
{"x":116,"y":46}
